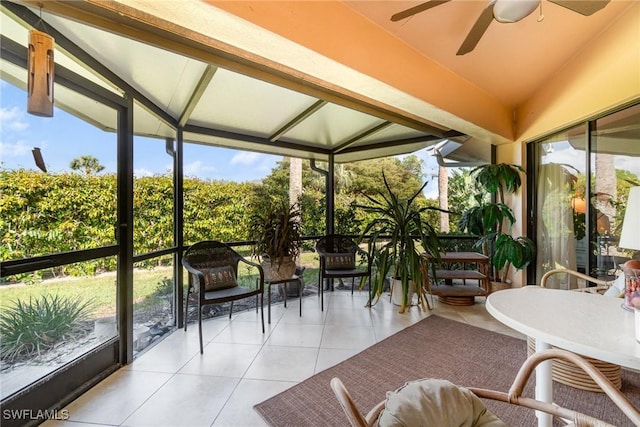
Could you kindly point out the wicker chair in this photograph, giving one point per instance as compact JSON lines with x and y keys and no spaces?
{"x":565,"y":372}
{"x":513,"y":396}
{"x":213,"y":269}
{"x":338,"y":260}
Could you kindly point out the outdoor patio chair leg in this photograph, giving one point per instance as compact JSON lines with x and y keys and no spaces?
{"x":230,"y":309}
{"x":186,"y":310}
{"x":300,"y":296}
{"x":256,"y":303}
{"x":261,"y":309}
{"x":200,"y":328}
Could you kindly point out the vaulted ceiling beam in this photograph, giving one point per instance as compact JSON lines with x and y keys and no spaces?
{"x":298,"y":119}
{"x":199,"y":90}
{"x":361,"y":136}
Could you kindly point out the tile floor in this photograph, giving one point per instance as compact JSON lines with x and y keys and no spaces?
{"x":173,"y":385}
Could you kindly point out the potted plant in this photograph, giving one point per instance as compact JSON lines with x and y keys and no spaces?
{"x":397,"y":239}
{"x":492,"y":220}
{"x":277,"y":233}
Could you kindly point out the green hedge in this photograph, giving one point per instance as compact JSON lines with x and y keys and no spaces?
{"x":52,"y":213}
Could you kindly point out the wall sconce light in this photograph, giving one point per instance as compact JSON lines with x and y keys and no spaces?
{"x":40,"y":69}
{"x":579,"y":204}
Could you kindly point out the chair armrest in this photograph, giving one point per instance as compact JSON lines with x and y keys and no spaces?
{"x":321,"y":252}
{"x":602,"y":284}
{"x":260,"y":270}
{"x":199,"y":274}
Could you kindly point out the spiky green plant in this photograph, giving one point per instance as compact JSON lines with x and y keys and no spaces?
{"x":398,"y":237}
{"x":31,"y":328}
{"x":277,"y":231}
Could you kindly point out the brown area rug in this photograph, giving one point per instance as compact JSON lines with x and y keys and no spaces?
{"x":438,"y":348}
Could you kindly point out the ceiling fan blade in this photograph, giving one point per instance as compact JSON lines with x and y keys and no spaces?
{"x":478,"y":30}
{"x":417,"y":9}
{"x":583,"y":7}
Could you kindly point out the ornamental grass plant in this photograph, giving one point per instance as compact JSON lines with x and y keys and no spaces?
{"x":30,"y":328}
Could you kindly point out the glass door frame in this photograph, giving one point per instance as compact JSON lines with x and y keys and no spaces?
{"x":532,"y":164}
{"x":62,"y":386}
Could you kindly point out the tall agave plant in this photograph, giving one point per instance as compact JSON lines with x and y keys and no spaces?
{"x":492,"y":221}
{"x":397,"y":239}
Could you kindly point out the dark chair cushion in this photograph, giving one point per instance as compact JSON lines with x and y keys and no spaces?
{"x":229,"y":294}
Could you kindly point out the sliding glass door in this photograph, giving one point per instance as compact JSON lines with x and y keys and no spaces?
{"x":615,"y":156}
{"x":577,"y":220}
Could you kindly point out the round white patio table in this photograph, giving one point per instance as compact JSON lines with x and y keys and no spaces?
{"x":591,"y":325}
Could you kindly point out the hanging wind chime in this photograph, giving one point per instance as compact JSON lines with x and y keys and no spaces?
{"x":40,"y":68}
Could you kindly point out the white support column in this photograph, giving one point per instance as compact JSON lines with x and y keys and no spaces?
{"x":544,"y":385}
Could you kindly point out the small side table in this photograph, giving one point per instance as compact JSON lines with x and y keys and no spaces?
{"x":282,"y":282}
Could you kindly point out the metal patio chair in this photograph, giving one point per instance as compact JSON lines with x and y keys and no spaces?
{"x":213,"y":272}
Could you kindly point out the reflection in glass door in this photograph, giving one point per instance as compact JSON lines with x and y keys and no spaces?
{"x":616,"y":167}
{"x":561,"y":208}
{"x":578,"y":220}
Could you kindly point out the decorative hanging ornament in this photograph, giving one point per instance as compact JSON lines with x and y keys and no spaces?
{"x":40,"y":66}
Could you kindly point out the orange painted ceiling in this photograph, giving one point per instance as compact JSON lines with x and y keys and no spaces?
{"x":511,"y":61}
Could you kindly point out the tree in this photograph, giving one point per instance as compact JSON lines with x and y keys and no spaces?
{"x":443,"y":198}
{"x":295,"y":187}
{"x":404,"y":176}
{"x":89,"y":164}
{"x":461,"y":194}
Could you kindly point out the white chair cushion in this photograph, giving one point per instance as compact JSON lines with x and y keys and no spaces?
{"x":437,"y":403}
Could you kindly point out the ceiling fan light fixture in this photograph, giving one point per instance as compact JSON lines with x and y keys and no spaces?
{"x":508,"y":11}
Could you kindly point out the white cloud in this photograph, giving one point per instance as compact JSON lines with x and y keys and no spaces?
{"x":199,"y":169}
{"x":13,"y":119}
{"x":17,"y":149}
{"x":629,"y":163}
{"x":566,"y":156}
{"x":246,"y":158}
{"x":142,"y":172}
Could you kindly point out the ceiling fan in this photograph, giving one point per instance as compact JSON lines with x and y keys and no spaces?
{"x":503,"y":11}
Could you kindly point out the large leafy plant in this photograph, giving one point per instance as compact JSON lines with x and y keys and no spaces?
{"x":493,"y":220}
{"x":398,"y":237}
{"x":277,"y":231}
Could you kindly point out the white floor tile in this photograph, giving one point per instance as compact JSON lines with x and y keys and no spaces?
{"x":239,"y":409}
{"x":283,"y":363}
{"x":185,"y":400}
{"x":239,"y":332}
{"x":348,"y":337}
{"x":172,"y":384}
{"x":222,"y":359}
{"x":328,"y":357}
{"x":296,"y":335}
{"x":117,"y":397}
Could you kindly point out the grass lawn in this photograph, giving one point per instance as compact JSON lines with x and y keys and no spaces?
{"x":102,"y":288}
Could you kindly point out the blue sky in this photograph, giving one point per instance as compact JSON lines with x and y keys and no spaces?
{"x":63,"y":138}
